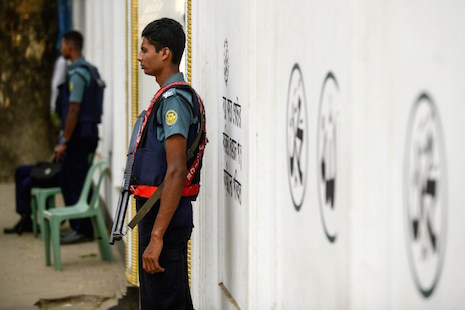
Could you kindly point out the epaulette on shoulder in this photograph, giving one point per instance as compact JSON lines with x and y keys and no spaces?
{"x":170,"y":92}
{"x":82,"y":72}
{"x":79,"y":69}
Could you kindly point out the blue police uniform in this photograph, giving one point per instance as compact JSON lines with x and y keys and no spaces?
{"x":23,"y":185}
{"x":81,"y":146}
{"x":170,"y":289}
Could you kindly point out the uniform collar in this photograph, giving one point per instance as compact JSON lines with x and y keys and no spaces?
{"x":79,"y":61}
{"x":177,"y":77}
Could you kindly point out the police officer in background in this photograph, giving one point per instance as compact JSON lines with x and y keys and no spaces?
{"x":80,"y":135}
{"x":171,"y":127}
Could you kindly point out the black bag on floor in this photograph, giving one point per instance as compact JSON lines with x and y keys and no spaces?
{"x":46,"y":174}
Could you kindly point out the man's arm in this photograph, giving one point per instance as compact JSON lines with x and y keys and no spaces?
{"x":77,"y":87}
{"x":71,"y":121}
{"x":175,"y":178}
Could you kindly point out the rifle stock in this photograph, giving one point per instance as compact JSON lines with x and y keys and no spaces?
{"x":121,"y":209}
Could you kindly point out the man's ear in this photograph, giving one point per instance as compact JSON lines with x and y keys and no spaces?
{"x":165,"y":53}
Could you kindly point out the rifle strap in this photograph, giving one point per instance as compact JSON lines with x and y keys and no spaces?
{"x":156,"y":195}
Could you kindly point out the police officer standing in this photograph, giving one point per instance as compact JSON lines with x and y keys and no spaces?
{"x":171,"y":127}
{"x":80,"y":135}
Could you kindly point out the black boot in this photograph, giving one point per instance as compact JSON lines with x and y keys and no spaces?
{"x":27,"y":224}
{"x":14,"y":229}
{"x":23,"y":225}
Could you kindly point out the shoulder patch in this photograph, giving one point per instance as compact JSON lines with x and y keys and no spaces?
{"x":171,"y":117}
{"x":170,"y":92}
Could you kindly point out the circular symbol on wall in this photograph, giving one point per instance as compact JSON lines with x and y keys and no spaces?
{"x":297,"y":140}
{"x":425,"y":195}
{"x":226,"y":61}
{"x":327,"y":154}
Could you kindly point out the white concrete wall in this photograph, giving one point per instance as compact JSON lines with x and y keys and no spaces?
{"x":383,"y":56}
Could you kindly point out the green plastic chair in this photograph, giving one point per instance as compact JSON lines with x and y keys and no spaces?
{"x":41,"y":199}
{"x":44,"y":198}
{"x":82,"y":209}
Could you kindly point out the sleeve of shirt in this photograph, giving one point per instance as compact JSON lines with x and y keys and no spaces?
{"x":176,"y":117}
{"x":77,"y":87}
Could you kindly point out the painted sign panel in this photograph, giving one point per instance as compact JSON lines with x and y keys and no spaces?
{"x":327,"y":155}
{"x":297,"y":137}
{"x":425,"y":194}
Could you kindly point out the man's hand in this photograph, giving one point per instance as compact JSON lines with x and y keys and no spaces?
{"x":59,"y":150}
{"x":71,"y":121}
{"x":151,"y":255}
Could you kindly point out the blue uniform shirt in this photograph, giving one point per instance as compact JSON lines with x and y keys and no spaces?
{"x":174,"y":114}
{"x":79,"y":79}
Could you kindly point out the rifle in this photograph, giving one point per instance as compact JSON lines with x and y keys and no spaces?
{"x":117,"y":228}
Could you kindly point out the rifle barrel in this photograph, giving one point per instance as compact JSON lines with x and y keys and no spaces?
{"x":117,"y":228}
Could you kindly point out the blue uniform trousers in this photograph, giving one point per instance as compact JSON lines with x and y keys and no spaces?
{"x":74,"y":169}
{"x":169,"y":289}
{"x":23,"y":189}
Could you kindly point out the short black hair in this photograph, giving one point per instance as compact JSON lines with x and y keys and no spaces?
{"x":75,"y":37}
{"x":166,"y":32}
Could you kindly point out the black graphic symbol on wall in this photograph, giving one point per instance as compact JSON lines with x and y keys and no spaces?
{"x":425,"y":196}
{"x":327,"y":154}
{"x":297,"y":137}
{"x":226,"y":61}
